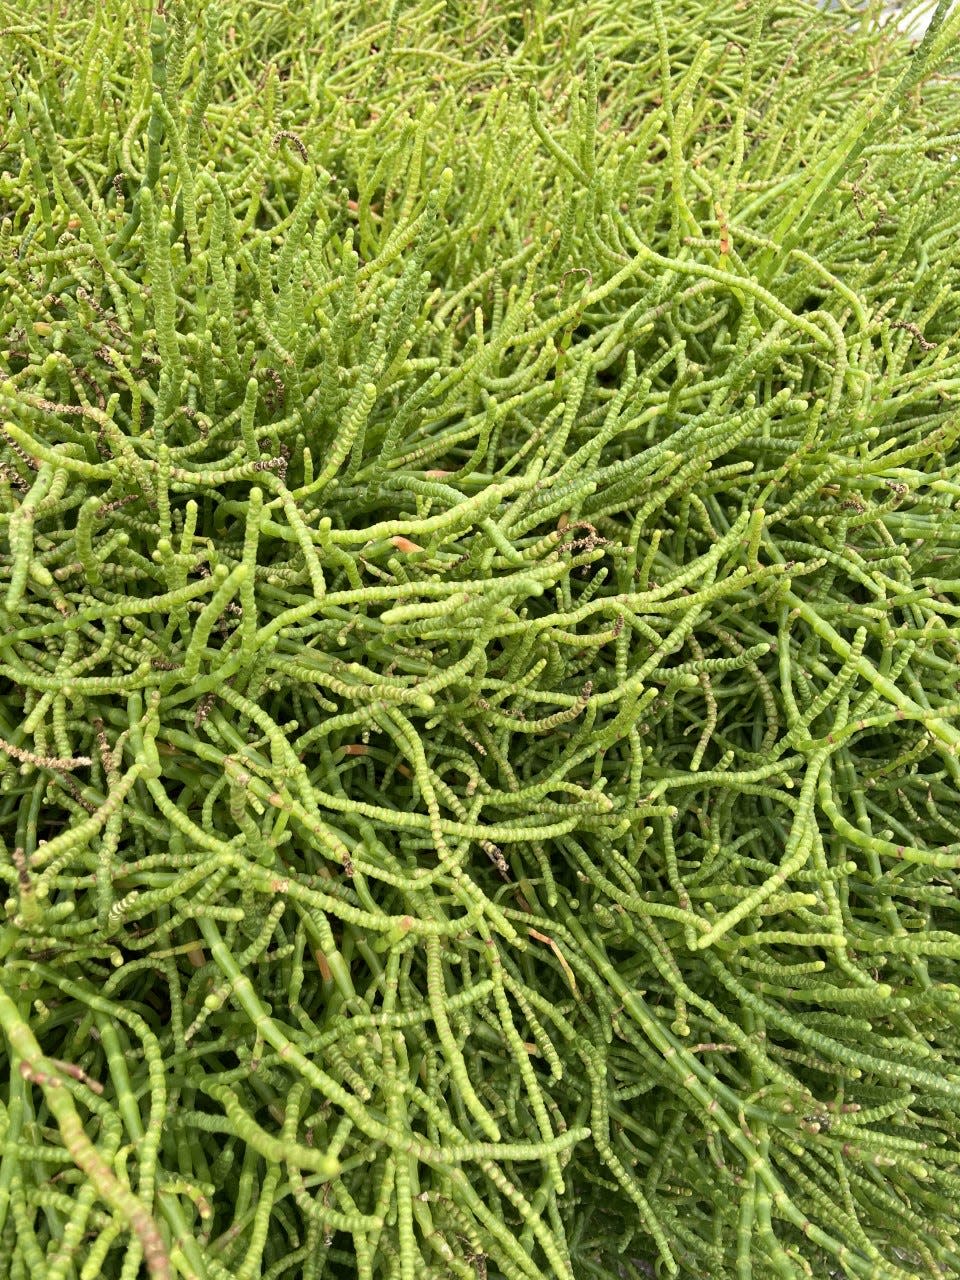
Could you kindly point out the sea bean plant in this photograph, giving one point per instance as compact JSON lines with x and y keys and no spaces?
{"x":479,"y":647}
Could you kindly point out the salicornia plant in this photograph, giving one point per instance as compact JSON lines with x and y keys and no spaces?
{"x":479,"y":641}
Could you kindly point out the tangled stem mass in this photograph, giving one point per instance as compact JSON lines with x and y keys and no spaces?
{"x":479,"y":695}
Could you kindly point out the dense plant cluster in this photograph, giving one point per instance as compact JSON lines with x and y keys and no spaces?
{"x":479,"y":688}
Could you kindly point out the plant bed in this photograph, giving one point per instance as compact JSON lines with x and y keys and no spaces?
{"x":479,"y":697}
